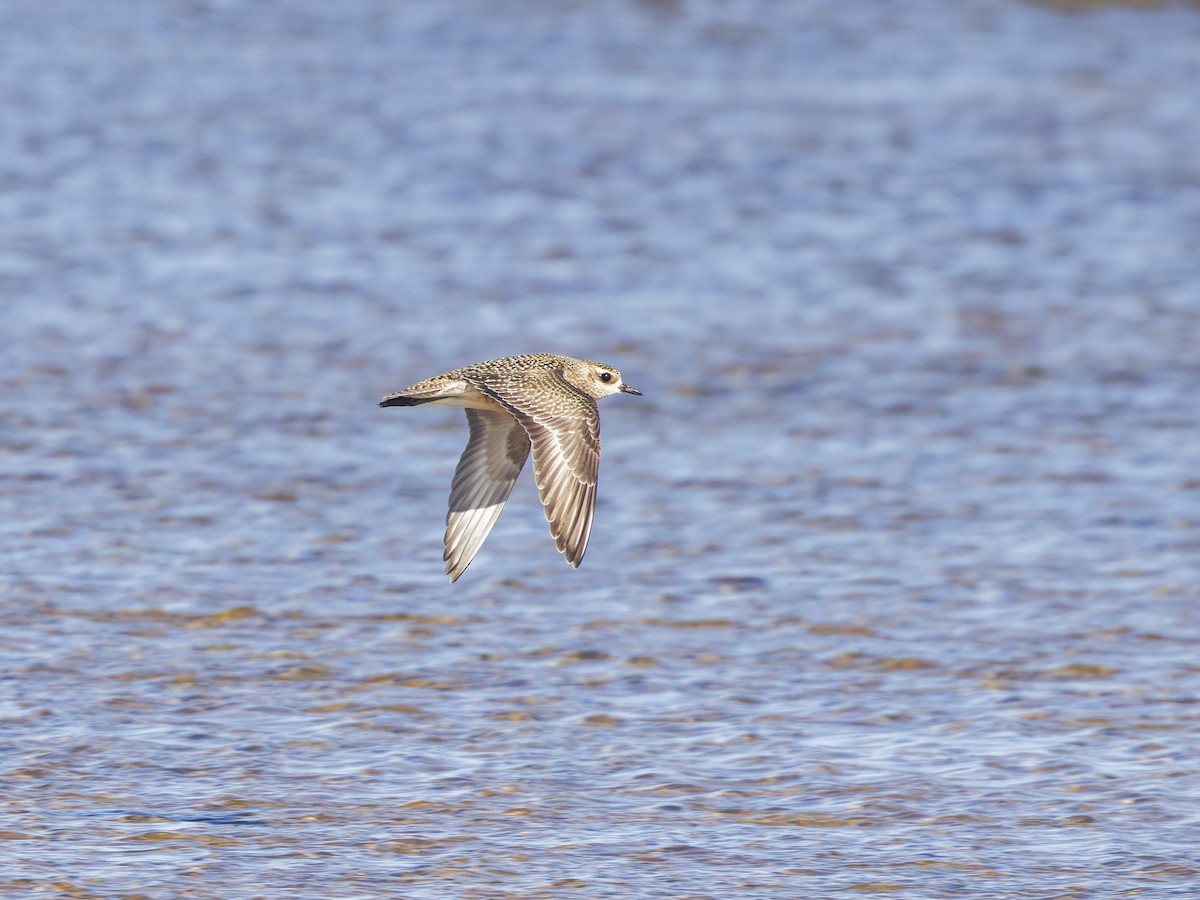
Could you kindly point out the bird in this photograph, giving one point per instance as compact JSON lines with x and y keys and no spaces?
{"x":538,"y":401}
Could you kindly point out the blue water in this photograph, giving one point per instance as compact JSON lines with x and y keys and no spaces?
{"x":893,"y":583}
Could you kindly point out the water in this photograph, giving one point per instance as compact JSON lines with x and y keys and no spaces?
{"x":893,"y":583}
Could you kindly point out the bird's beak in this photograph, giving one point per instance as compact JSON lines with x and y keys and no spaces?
{"x":626,"y":389}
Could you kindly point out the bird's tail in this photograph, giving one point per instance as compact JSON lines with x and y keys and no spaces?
{"x":402,"y":399}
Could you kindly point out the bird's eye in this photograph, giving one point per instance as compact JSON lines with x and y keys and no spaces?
{"x":606,"y":377}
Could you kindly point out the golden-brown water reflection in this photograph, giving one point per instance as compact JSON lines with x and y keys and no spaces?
{"x":518,"y":737}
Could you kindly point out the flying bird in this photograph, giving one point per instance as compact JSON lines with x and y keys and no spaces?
{"x":539,"y":401}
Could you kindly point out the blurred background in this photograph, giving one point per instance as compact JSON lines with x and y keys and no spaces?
{"x":892,"y":587}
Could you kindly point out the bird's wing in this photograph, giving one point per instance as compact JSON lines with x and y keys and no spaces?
{"x":563,"y":426}
{"x":495,"y":454}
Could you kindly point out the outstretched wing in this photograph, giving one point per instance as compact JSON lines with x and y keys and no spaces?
{"x":495,"y":455}
{"x":563,"y":427}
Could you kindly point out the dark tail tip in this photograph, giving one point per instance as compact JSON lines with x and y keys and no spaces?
{"x":401,"y":400}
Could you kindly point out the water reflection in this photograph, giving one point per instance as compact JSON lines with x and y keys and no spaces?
{"x":894,"y":592}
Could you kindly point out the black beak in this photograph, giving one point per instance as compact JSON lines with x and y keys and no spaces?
{"x":626,"y":389}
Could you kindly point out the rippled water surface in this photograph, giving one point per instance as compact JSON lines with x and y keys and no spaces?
{"x":893,"y":584}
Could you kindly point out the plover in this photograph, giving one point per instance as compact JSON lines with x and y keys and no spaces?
{"x":542,"y":401}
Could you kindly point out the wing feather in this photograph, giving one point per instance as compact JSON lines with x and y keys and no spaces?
{"x":495,"y":454}
{"x":563,"y":427}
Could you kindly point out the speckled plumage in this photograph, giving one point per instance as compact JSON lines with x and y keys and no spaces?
{"x":542,"y":402}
